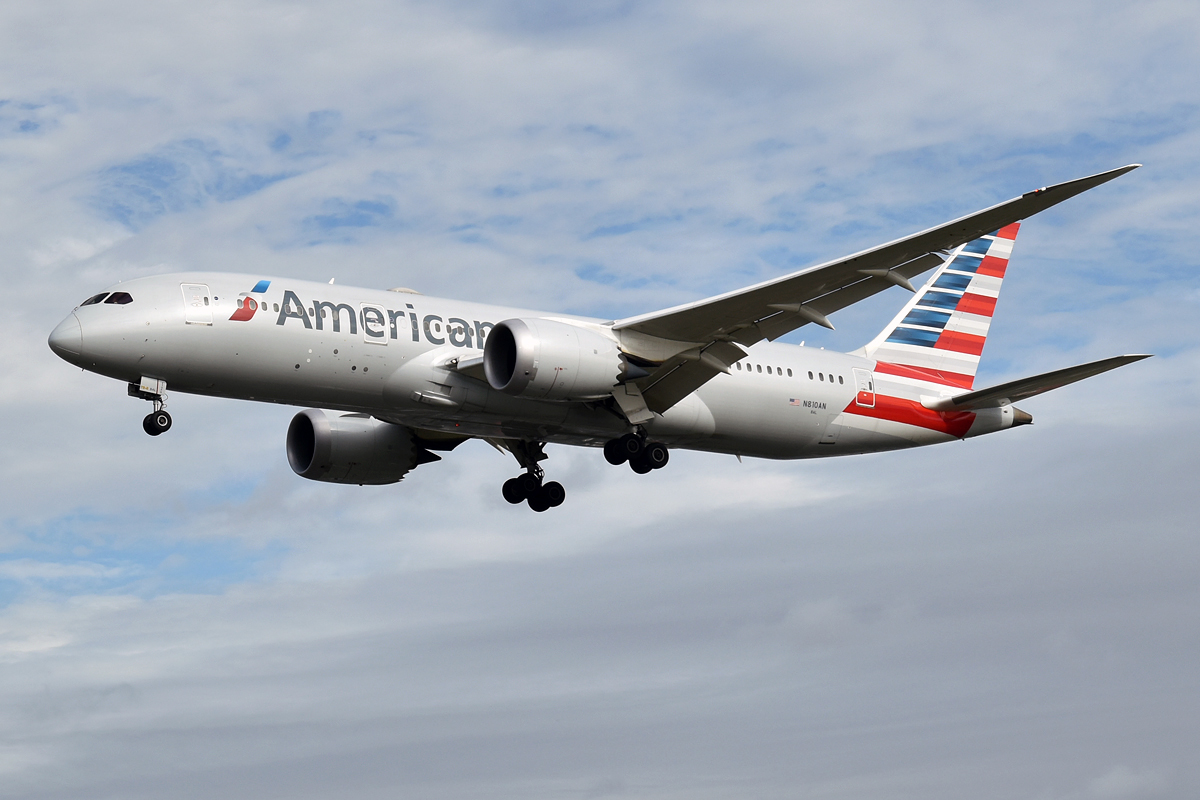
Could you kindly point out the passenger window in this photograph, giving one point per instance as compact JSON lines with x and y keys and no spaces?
{"x":119,"y":298}
{"x":768,"y":369}
{"x":277,"y":306}
{"x":779,"y":371}
{"x":840,"y":379}
{"x":96,"y":298}
{"x":821,"y":375}
{"x":205,"y":299}
{"x":758,"y":367}
{"x":739,"y":366}
{"x":810,"y":375}
{"x":789,"y":372}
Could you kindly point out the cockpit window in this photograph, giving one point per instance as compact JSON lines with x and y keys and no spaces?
{"x":96,"y":298}
{"x":119,"y":298}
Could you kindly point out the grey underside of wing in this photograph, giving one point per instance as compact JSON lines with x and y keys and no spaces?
{"x":746,"y":316}
{"x":1015,"y":391}
{"x":837,"y":284}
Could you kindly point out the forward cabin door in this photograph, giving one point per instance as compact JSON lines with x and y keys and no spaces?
{"x":374,"y":318}
{"x":197,"y":304}
{"x":866,"y":388}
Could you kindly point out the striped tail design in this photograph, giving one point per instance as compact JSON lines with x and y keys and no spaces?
{"x":939,"y":335}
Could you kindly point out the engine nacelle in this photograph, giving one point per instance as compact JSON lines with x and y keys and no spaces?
{"x":349,"y":448}
{"x":544,"y":359}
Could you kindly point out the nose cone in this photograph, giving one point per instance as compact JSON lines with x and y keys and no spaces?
{"x":67,"y":339}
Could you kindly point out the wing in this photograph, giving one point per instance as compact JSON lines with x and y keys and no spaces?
{"x":1014,"y":391}
{"x":769,"y":310}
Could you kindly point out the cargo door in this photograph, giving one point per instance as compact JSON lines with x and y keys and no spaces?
{"x":833,"y":427}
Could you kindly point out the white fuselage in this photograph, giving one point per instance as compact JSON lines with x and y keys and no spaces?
{"x":391,"y":355}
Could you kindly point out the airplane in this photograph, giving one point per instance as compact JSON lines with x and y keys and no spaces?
{"x":392,"y":378}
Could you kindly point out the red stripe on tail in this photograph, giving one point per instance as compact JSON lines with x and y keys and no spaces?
{"x":977,"y":304}
{"x":960,"y":342}
{"x":926,"y":374}
{"x":993,"y":266}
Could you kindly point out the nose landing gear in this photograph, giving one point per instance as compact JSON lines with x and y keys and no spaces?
{"x":528,"y":488}
{"x":642,"y":456}
{"x":157,"y":421}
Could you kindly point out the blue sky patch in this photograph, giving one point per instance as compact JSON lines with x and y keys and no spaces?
{"x":26,"y":118}
{"x":632,"y":226}
{"x":87,"y":553}
{"x":178,"y":177}
{"x":339,"y":213}
{"x":595,"y":273}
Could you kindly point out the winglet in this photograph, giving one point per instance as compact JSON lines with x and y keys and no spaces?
{"x":1088,"y":182}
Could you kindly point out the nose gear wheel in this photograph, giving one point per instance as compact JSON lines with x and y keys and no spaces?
{"x":157,"y":422}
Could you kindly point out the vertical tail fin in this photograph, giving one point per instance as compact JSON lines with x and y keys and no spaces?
{"x":939,"y":335}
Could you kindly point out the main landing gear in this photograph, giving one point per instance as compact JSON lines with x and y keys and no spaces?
{"x":529,"y":488}
{"x":642,"y":456}
{"x":157,"y":421}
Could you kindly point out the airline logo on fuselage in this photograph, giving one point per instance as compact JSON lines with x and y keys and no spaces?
{"x":380,"y":324}
{"x":247,"y":305}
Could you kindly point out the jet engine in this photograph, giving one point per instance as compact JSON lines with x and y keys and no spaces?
{"x":351,"y":448}
{"x":545,"y":359}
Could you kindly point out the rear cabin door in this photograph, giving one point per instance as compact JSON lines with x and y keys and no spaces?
{"x":866,"y":388}
{"x":197,"y":304}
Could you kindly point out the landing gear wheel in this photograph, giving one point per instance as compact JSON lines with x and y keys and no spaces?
{"x":656,"y":455}
{"x":613,"y":452}
{"x":530,"y":485}
{"x":538,"y":501}
{"x":640,"y":465}
{"x":630,"y":446}
{"x":157,"y":423}
{"x":513,"y":491}
{"x":555,"y":493}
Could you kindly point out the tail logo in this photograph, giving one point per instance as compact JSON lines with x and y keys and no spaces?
{"x":939,"y":335}
{"x":247,"y":305}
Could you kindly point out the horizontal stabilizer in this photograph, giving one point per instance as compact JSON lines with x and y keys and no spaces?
{"x":1013,"y":391}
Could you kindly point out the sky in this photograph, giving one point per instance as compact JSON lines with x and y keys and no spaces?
{"x":1012,"y":618}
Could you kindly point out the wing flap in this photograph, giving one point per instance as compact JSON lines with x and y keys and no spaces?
{"x":685,"y":373}
{"x":1015,"y":391}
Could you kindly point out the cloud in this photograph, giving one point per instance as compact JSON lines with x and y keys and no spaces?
{"x":1121,"y":781}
